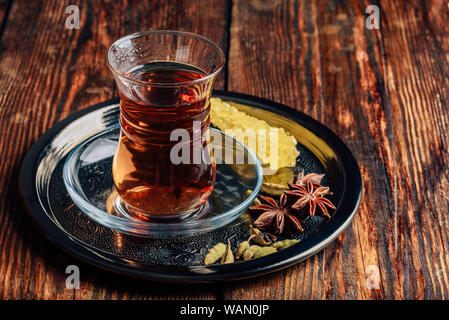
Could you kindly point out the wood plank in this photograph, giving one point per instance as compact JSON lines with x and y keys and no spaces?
{"x":384,"y":92}
{"x":416,"y":44}
{"x":46,"y":73}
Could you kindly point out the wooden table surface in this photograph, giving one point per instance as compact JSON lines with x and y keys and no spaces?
{"x":385,"y":92}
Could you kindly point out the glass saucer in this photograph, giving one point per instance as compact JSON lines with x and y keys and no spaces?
{"x":87,"y":175}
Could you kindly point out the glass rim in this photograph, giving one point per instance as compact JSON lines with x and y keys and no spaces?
{"x":219,"y":51}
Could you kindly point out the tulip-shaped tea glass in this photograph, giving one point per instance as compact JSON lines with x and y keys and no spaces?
{"x":163,"y":166}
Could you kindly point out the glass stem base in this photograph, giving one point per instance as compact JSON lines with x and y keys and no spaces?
{"x":127,"y":211}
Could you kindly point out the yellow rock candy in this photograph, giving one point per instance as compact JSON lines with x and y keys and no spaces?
{"x":257,"y":134}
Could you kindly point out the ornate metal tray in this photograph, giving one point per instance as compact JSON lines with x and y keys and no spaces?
{"x":180,"y":259}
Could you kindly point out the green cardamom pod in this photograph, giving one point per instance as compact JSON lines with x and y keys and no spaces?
{"x":280,"y":245}
{"x":264,"y":251}
{"x":241,"y":248}
{"x":228,"y":257}
{"x":248,"y":254}
{"x":215,"y":253}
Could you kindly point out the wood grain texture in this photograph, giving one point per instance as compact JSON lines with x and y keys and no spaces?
{"x":46,"y":73}
{"x":384,"y":92}
{"x":418,"y":81}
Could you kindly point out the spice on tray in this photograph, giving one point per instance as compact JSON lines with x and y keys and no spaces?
{"x":215,"y":254}
{"x":263,"y":251}
{"x":262,"y":238}
{"x":302,"y":179}
{"x":310,"y":197}
{"x":276,"y":218}
{"x":228,"y":257}
{"x":249,"y":253}
{"x":256,"y":251}
{"x":245,"y":250}
{"x":305,"y":194}
{"x":283,"y":244}
{"x":241,"y":248}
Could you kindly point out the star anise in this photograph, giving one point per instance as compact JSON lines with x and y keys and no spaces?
{"x":302,"y":179}
{"x":276,"y":218}
{"x":311,"y":196}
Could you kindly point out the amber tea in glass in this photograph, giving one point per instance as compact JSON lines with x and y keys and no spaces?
{"x":165,"y":80}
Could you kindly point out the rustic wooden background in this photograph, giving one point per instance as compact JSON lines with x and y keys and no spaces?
{"x":384,"y":92}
